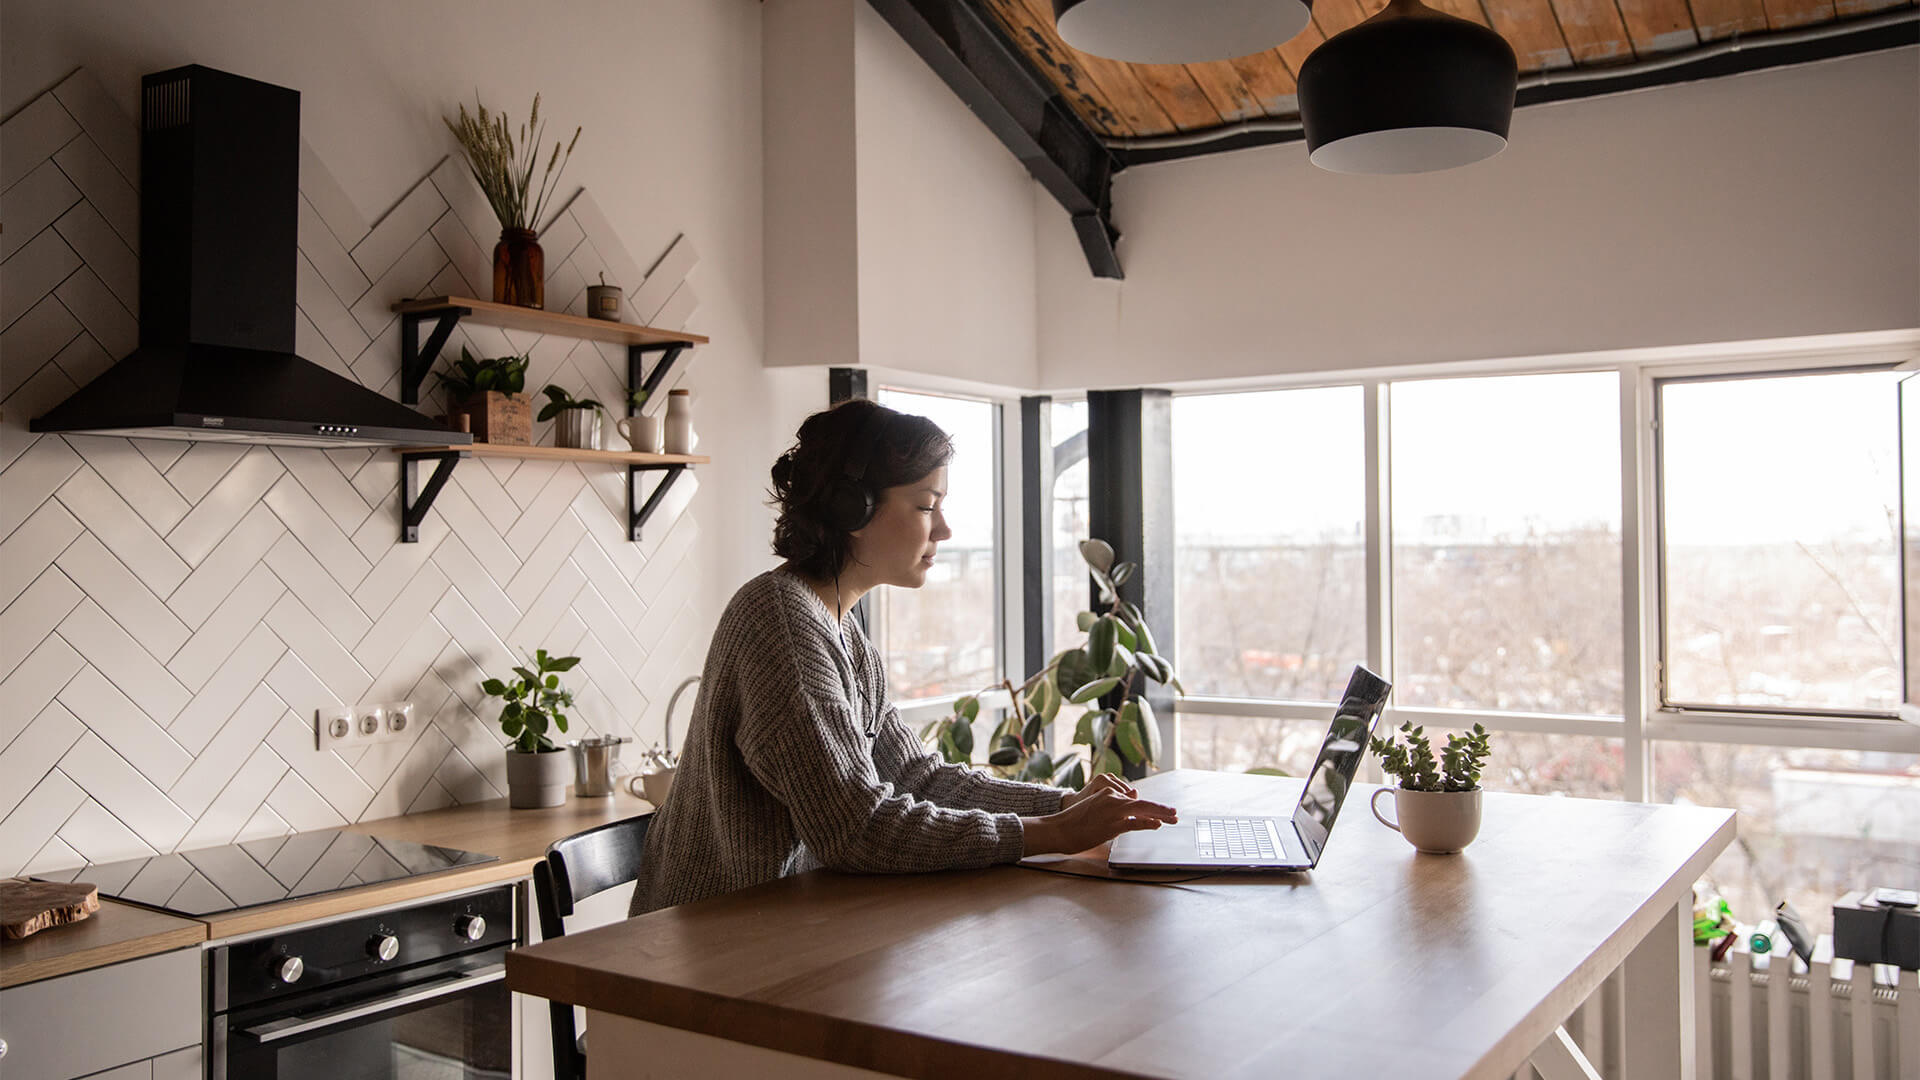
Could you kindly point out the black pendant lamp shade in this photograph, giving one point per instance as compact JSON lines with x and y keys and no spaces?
{"x":1178,"y":31}
{"x":1409,"y":90}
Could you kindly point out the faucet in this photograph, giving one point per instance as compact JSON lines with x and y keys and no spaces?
{"x":667,"y":757}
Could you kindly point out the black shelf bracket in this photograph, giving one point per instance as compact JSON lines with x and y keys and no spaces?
{"x":638,"y":518}
{"x":413,"y":508}
{"x":417,"y":359}
{"x":637,"y":361}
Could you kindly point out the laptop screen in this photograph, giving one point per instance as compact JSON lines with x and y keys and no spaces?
{"x":1339,"y":760}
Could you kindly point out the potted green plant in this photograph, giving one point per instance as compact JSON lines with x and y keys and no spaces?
{"x":578,"y":423}
{"x":533,"y":701}
{"x":1437,"y":803}
{"x":503,"y":166}
{"x":1108,"y":672}
{"x":489,"y":392}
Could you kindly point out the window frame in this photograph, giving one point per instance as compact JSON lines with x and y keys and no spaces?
{"x":1646,"y":717}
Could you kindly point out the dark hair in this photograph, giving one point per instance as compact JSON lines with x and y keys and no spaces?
{"x":897,"y":449}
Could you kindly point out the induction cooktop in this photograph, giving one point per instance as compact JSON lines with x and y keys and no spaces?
{"x":213,"y":881}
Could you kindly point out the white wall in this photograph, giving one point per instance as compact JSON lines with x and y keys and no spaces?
{"x":867,"y":147}
{"x":1774,"y":204}
{"x":171,"y":620}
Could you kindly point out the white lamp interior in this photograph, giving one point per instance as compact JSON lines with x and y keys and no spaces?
{"x":1180,"y":31}
{"x":1408,"y":150}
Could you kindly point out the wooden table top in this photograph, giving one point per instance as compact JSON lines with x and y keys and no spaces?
{"x":1382,"y":962}
{"x":518,"y":837}
{"x":114,"y":933}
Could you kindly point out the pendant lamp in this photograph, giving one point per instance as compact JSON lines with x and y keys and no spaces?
{"x":1409,"y":90}
{"x":1178,"y":31}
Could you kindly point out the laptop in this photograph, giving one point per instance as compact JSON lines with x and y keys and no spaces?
{"x":1232,"y":841}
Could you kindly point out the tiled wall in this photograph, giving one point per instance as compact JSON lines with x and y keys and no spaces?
{"x":172,"y":613}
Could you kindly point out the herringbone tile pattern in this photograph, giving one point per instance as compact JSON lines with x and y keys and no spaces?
{"x":174,"y":612}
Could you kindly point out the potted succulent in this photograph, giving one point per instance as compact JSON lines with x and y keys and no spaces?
{"x":1108,"y":672}
{"x":578,"y":423}
{"x":537,"y":770}
{"x":1437,"y":805}
{"x":503,"y":167}
{"x":489,"y":392}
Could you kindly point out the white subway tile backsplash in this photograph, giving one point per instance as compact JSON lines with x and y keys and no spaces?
{"x":127,"y":602}
{"x":124,"y":532}
{"x":663,"y":279}
{"x":86,"y":165}
{"x":168,"y":643}
{"x":33,"y":135}
{"x":110,"y":321}
{"x":33,"y":204}
{"x":88,"y":102}
{"x":113,"y":716}
{"x":215,"y":513}
{"x":125,"y":790}
{"x":263,"y":824}
{"x":132,"y":477}
{"x":218,"y":637}
{"x":34,"y":752}
{"x":237,"y":678}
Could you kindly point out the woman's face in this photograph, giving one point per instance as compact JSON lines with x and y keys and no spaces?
{"x":897,"y":546}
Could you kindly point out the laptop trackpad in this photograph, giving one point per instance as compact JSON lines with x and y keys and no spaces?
{"x":1168,"y":843}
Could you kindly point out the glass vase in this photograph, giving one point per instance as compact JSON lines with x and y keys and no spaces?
{"x":519,"y":269}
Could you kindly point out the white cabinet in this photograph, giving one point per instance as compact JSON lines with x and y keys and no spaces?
{"x":140,"y":1019}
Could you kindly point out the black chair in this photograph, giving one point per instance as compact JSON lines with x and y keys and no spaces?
{"x":575,"y":868}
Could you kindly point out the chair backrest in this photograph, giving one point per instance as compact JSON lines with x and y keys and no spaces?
{"x":579,"y":866}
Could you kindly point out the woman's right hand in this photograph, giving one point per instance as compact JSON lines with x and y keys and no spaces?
{"x":1093,"y":820}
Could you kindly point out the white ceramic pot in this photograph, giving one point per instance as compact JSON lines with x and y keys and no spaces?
{"x":1436,"y":822}
{"x":535,"y":780}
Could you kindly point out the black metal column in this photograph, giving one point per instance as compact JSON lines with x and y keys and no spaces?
{"x":1036,"y":531}
{"x":1130,"y":505}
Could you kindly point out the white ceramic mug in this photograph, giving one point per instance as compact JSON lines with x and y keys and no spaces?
{"x":652,"y":786}
{"x":1436,"y":822}
{"x":641,"y":432}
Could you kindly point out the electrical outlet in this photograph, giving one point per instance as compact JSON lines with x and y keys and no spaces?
{"x":399,"y":718}
{"x":372,"y":722}
{"x":334,"y":728}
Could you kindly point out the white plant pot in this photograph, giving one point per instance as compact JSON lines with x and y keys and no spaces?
{"x":536,"y":780}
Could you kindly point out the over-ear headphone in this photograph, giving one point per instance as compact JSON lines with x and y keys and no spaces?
{"x":848,"y":500}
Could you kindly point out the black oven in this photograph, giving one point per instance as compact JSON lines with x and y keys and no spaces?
{"x":412,"y":993}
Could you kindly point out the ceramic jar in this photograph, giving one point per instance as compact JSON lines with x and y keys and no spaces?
{"x":680,"y":437}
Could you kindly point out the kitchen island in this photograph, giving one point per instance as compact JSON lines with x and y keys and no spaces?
{"x":1382,"y":962}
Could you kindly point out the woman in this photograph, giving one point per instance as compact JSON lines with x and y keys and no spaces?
{"x":796,"y":759}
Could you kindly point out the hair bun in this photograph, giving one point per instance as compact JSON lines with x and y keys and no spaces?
{"x":783,"y":474}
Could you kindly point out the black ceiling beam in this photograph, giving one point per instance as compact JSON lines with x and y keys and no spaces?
{"x":963,"y":45}
{"x":1755,"y":54}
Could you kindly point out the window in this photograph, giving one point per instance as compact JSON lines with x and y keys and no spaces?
{"x":943,"y":638}
{"x":1269,"y":548}
{"x":1780,"y":516}
{"x":1506,"y":543}
{"x":1070,"y":522}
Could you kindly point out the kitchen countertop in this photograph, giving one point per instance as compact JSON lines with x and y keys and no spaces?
{"x":124,"y":932}
{"x":114,"y":933}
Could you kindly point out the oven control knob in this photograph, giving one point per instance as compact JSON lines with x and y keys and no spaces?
{"x":470,"y":927}
{"x":383,"y":947}
{"x":290,"y":970}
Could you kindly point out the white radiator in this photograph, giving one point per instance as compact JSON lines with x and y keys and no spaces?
{"x":1752,"y":1026}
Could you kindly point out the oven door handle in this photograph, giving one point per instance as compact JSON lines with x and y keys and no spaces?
{"x":288,"y":1028}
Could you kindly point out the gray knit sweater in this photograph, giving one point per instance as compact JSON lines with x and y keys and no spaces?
{"x":778,"y":774}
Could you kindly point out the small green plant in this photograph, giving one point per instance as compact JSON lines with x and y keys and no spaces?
{"x":558,"y":400}
{"x":472,"y":376}
{"x":1108,"y":673}
{"x":1412,"y":761}
{"x":636,"y":398}
{"x":533,"y":701}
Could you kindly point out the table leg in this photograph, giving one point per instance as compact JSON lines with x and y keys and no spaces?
{"x":1560,"y":1059}
{"x":1660,"y":1001}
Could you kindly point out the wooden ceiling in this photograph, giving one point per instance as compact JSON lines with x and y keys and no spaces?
{"x":1124,"y":101}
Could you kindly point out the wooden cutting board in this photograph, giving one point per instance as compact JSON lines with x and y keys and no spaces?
{"x":28,"y":907}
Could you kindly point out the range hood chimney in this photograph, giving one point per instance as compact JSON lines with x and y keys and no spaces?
{"x":219,"y":207}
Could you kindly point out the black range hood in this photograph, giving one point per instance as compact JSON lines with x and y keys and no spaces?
{"x":219,"y":206}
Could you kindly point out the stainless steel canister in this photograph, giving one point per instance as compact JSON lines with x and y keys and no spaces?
{"x":593,"y":764}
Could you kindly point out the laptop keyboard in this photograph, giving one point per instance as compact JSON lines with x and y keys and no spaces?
{"x":1234,"y":838}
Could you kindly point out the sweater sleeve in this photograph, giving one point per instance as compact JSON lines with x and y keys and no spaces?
{"x":802,"y":740}
{"x":924,"y":774}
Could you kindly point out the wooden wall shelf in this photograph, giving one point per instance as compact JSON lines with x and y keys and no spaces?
{"x":535,"y":320}
{"x":562,"y":453}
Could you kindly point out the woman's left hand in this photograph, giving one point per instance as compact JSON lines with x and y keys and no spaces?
{"x":1103,"y":782}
